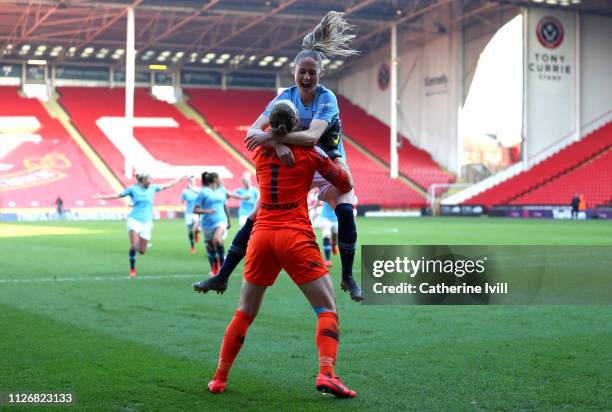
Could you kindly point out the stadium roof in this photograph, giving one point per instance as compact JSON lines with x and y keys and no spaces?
{"x":226,"y":35}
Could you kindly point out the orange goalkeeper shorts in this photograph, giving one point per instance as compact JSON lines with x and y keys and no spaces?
{"x":296,"y":251}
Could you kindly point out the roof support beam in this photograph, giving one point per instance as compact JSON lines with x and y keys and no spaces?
{"x":409,"y":17}
{"x":91,"y":36}
{"x":299,"y":35}
{"x":173,"y":28}
{"x":253,"y":23}
{"x":24,"y":29}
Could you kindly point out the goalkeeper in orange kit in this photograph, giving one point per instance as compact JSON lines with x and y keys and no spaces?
{"x":283,"y":238}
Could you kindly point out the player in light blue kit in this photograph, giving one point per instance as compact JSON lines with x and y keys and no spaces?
{"x":140,"y":219}
{"x":211,"y":204}
{"x":192,"y":220}
{"x":248,"y":196}
{"x":320,"y":124}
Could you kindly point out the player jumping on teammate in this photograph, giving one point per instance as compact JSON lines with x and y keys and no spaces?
{"x":282,"y":238}
{"x":320,"y":125}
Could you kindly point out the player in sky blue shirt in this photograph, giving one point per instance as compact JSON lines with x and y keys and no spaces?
{"x":140,"y":219}
{"x":248,"y":196}
{"x":324,"y":107}
{"x":142,"y":201}
{"x":211,"y":205}
{"x":214,"y":199}
{"x":319,"y":118}
{"x":192,"y":221}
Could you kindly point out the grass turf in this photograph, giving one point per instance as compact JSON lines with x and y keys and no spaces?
{"x":152,"y":343}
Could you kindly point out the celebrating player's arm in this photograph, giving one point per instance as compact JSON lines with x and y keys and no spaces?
{"x":235,"y":195}
{"x":109,"y":197}
{"x":125,"y":193}
{"x":320,"y":132}
{"x":334,"y":173}
{"x":171,"y":183}
{"x":257,"y":136}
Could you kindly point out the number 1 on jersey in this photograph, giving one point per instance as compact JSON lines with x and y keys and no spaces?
{"x":274,"y":183}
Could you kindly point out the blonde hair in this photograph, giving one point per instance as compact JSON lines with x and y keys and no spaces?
{"x":329,"y":38}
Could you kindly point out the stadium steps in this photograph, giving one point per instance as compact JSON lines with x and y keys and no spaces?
{"x":230,"y":112}
{"x":42,"y":161}
{"x":571,"y":157}
{"x":185,"y":143}
{"x":590,"y":178}
{"x":556,"y":176}
{"x":190,"y":113}
{"x":382,"y":164}
{"x":57,"y":111}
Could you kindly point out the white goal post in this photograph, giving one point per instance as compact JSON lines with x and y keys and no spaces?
{"x":432,"y":189}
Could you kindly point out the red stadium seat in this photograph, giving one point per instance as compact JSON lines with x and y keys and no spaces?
{"x":186,"y":145}
{"x":591,"y":179}
{"x":231,"y":112}
{"x":568,"y":161}
{"x":37,"y":172}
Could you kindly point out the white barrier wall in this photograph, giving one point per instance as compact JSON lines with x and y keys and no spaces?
{"x":595,"y":71}
{"x":427,"y":92}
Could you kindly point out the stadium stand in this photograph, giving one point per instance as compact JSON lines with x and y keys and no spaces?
{"x":374,"y":186}
{"x":188,"y":144}
{"x":591,"y":179}
{"x":39,"y":160}
{"x":413,"y":163}
{"x":538,"y":184}
{"x":372,"y":183}
{"x":230,"y":112}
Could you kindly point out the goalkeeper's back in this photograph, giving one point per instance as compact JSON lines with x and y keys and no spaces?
{"x":284,"y":189}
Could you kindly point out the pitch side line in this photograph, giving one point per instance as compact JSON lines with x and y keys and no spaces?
{"x":99,"y":278}
{"x":103,"y":278}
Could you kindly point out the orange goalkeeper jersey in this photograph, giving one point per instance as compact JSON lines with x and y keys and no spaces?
{"x":284,"y":189}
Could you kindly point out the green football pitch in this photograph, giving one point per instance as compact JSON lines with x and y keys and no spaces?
{"x":71,"y":320}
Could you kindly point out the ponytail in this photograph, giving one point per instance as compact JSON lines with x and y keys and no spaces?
{"x":329,"y":38}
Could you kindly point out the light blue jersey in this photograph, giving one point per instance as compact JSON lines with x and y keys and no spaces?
{"x":247,"y":205}
{"x":324,"y":106}
{"x":328,"y":213}
{"x":189,"y":197}
{"x":212,"y":199}
{"x":142,"y":201}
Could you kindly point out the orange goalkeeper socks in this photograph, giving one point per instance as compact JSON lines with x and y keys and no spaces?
{"x":232,"y":343}
{"x":327,"y":339}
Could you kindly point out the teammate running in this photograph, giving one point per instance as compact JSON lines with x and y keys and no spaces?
{"x":282,"y":238}
{"x":192,"y":220}
{"x":211,"y":203}
{"x":320,"y":124}
{"x":140,"y":219}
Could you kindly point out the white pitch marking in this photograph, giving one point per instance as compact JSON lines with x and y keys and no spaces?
{"x":102,"y":278}
{"x":98,"y":278}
